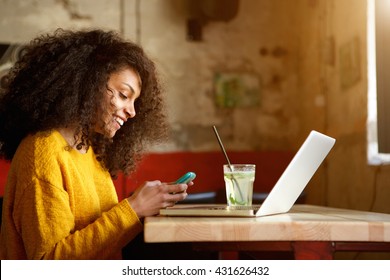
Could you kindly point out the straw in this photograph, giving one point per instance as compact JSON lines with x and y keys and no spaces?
{"x":222,"y":147}
{"x":227,"y":159}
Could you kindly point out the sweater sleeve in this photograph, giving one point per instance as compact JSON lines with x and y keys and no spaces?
{"x":45,"y":222}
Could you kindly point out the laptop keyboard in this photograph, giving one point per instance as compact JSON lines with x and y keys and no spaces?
{"x":238,"y":207}
{"x":243,"y":207}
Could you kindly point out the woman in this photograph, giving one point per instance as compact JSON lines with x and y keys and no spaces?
{"x":75,"y":110}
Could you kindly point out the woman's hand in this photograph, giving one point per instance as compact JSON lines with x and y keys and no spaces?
{"x":149,"y":198}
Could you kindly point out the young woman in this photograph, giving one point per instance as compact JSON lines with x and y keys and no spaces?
{"x":76,"y":109}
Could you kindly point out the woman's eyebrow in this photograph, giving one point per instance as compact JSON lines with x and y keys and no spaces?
{"x":130,"y":87}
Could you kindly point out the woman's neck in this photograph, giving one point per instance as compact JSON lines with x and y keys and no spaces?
{"x":69,"y":135}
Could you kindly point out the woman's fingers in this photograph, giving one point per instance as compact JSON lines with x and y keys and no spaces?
{"x":148,"y":199}
{"x":177,"y":188}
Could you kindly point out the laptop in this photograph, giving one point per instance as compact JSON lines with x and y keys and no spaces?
{"x":285,"y":192}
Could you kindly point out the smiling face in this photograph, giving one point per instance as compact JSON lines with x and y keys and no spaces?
{"x":123,"y":88}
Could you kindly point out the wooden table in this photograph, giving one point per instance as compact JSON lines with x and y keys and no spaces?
{"x":310,"y":232}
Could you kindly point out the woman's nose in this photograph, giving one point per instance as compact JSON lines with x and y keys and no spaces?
{"x":130,"y":112}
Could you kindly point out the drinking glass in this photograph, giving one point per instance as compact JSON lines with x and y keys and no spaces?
{"x":239,"y":180}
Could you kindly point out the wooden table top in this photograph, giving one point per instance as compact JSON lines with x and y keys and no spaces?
{"x":302,"y":223}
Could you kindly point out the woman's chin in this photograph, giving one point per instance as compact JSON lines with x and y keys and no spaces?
{"x":109,"y":134}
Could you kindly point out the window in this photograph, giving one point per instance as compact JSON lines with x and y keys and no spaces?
{"x":378,"y":44}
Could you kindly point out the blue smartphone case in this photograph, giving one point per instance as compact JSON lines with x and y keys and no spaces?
{"x":189,"y":176}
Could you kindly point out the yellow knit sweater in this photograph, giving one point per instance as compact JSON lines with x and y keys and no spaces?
{"x":60,"y":204}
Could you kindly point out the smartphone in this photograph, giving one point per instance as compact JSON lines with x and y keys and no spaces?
{"x":189,"y":176}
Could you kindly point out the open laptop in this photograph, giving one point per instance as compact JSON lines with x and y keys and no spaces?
{"x":285,"y":192}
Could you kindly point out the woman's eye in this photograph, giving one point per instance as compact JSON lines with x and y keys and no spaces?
{"x":123,"y":96}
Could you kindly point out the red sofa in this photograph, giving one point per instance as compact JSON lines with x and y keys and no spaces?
{"x":4,"y":167}
{"x":168,"y":167}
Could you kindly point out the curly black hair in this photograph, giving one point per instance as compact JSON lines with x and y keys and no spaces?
{"x":60,"y":80}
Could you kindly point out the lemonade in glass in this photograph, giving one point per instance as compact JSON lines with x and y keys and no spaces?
{"x":239,"y":180}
